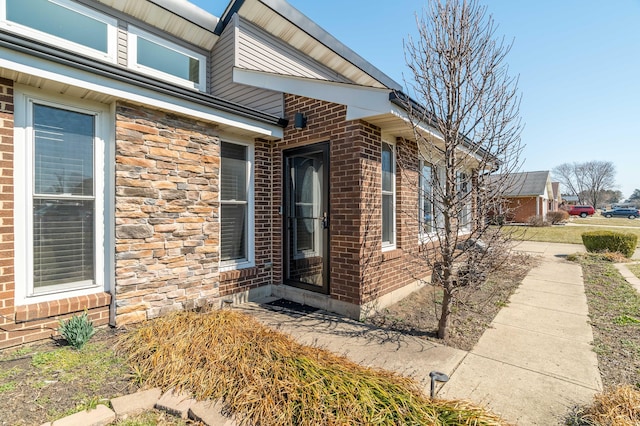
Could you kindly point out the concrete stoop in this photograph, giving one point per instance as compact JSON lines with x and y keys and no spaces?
{"x":177,"y":404}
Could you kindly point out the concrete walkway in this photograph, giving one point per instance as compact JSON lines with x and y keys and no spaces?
{"x":532,"y":366}
{"x":536,"y":361}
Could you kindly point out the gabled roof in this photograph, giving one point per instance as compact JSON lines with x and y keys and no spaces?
{"x":526,"y":184}
{"x":287,"y":23}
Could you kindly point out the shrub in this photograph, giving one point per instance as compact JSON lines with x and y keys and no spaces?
{"x":603,"y":241}
{"x":77,"y":330}
{"x":537,"y":221}
{"x":557,"y":216}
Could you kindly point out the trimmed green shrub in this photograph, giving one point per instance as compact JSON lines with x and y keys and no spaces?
{"x":557,"y":216}
{"x":601,"y":241}
{"x":77,"y":330}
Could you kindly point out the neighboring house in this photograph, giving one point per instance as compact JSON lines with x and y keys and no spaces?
{"x":570,"y":200}
{"x":156,"y":158}
{"x":528,"y":194}
{"x":556,"y":201}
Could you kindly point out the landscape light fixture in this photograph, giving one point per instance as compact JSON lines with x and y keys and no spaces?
{"x":436,"y":376}
{"x":300,"y":121}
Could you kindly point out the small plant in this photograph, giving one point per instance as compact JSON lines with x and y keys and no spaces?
{"x":609,"y":241}
{"x":537,"y":221}
{"x":77,"y":330}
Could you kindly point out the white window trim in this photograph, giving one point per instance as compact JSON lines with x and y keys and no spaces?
{"x":112,"y":32}
{"x":249,"y":262}
{"x":390,"y":245}
{"x":23,"y":199}
{"x":466,"y":206}
{"x":434,"y":220}
{"x":132,"y":59}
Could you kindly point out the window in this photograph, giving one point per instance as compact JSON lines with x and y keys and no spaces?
{"x":462,"y":189}
{"x":388,"y":196}
{"x":427,"y":211}
{"x":163,"y":59}
{"x":60,"y":223}
{"x":236,"y":205}
{"x":62,"y":23}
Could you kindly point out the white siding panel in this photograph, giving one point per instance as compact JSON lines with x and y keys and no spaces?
{"x":261,"y":51}
{"x":122,"y":43}
{"x":222,"y":85}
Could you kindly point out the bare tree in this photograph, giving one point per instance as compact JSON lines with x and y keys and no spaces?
{"x":588,"y":180}
{"x":463,"y":90}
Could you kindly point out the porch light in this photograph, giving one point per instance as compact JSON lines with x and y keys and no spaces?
{"x":300,"y":121}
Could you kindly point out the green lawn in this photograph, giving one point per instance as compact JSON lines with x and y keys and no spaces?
{"x":599,"y":220}
{"x":567,"y":234}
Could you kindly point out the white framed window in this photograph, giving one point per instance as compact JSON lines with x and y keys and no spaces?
{"x":427,"y":212}
{"x":388,"y":159}
{"x":163,"y":59}
{"x":463,"y":189}
{"x":62,"y":23}
{"x":236,"y":206}
{"x":59,"y":180}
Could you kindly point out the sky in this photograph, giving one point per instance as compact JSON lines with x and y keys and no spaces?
{"x":578,"y":63}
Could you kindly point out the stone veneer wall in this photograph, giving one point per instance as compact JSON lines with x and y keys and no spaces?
{"x":167,"y":230}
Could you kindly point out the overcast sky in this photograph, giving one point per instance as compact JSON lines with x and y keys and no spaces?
{"x":578,"y":62}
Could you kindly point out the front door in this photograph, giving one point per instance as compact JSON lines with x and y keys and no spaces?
{"x":306,"y":217}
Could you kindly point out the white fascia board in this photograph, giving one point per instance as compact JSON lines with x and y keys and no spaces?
{"x":423,"y":127}
{"x":369,"y":98}
{"x":30,"y":65}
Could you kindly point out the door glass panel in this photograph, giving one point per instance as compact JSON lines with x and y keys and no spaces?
{"x":306,"y":216}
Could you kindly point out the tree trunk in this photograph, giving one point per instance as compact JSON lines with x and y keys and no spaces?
{"x":443,"y":323}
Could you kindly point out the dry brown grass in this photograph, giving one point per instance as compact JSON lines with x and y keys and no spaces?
{"x":619,"y":406}
{"x":265,"y":378}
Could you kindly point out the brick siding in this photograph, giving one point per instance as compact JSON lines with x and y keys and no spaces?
{"x":28,"y":323}
{"x":360,"y":271}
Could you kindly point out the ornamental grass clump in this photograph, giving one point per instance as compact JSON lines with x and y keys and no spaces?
{"x":77,"y":330}
{"x":265,"y":378}
{"x":619,"y":406}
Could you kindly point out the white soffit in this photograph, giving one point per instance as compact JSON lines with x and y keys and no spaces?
{"x":164,"y":19}
{"x":27,"y":69}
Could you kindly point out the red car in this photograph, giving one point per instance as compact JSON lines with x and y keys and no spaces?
{"x":582,"y":211}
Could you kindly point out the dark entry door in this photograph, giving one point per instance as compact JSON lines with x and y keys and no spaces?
{"x":306,"y":211}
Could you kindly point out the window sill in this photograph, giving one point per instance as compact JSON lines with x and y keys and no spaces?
{"x":391,"y":254}
{"x":62,"y":306}
{"x":238,"y":274}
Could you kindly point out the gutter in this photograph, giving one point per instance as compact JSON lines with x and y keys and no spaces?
{"x":26,"y":46}
{"x":402,"y":100}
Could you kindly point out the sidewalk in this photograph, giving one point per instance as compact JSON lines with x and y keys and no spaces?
{"x":536,"y":361}
{"x":531,"y":366}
